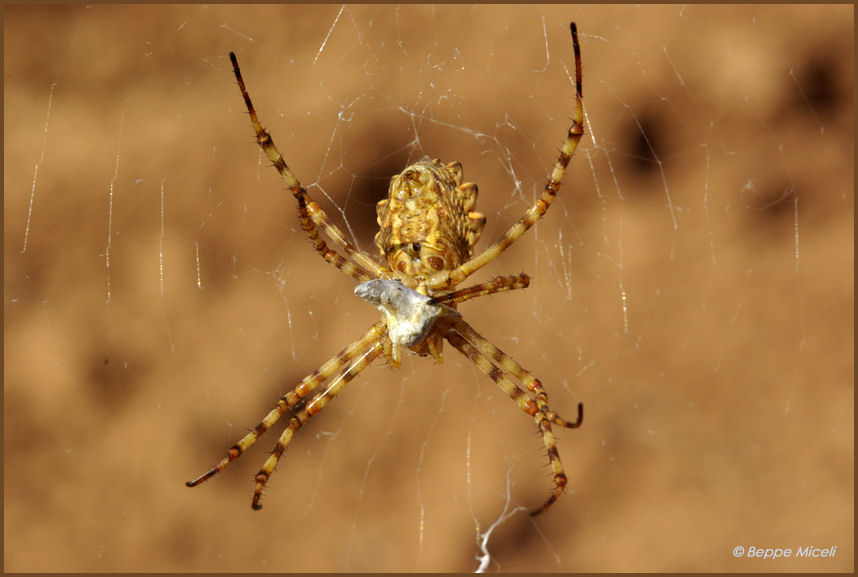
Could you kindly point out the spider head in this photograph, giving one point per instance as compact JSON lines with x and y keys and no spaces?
{"x":427,"y":223}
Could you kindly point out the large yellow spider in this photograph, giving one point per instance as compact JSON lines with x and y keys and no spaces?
{"x":428,"y":229}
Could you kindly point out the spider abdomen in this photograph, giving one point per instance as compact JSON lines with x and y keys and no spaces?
{"x":427,"y":223}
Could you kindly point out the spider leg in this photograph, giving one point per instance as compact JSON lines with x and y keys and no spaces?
{"x":369,"y":340}
{"x":330,"y":255}
{"x":511,"y":366}
{"x":493,"y":362}
{"x":534,"y":213}
{"x":312,"y":407}
{"x":361,"y":266}
{"x":500,"y":284}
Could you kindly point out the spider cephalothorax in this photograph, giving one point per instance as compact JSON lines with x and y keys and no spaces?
{"x":427,"y":224}
{"x":427,"y":232}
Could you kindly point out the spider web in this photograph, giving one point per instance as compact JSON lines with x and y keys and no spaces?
{"x":692,"y":286}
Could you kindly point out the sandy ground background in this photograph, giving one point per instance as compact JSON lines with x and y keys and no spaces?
{"x":692,"y":286}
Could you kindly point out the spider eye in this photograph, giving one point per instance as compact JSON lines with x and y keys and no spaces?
{"x":416,"y":247}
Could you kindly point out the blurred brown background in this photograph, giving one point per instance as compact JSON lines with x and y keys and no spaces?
{"x":692,"y":286}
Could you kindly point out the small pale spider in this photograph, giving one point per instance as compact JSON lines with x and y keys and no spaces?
{"x":428,"y":229}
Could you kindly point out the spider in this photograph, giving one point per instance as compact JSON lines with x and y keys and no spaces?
{"x":428,"y":229}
